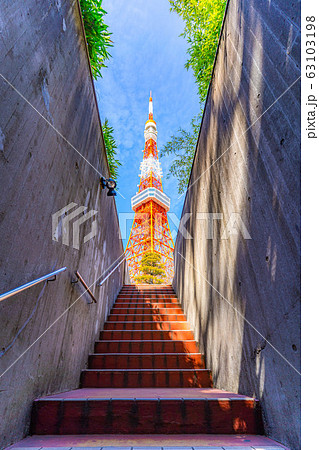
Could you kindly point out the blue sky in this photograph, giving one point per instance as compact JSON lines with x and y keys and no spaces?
{"x":148,"y":54}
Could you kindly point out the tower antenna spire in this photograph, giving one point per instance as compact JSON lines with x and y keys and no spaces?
{"x":150,"y":107}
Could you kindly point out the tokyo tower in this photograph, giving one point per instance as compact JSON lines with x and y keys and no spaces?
{"x":150,"y":230}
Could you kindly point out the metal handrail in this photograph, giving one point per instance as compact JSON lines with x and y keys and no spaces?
{"x":31,"y":283}
{"x":104,"y":279}
{"x":85,"y":285}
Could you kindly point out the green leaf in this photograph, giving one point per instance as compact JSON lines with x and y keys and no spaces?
{"x":203,"y":19}
{"x":183,"y":146}
{"x":152,"y":270}
{"x":98,"y":37}
{"x":111,"y":147}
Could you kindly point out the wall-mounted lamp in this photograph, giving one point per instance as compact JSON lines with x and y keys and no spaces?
{"x":109,"y":184}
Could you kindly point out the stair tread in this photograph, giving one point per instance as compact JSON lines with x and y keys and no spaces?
{"x":148,"y":330}
{"x":146,"y":370}
{"x":146,"y":340}
{"x":144,"y":354}
{"x":127,"y":305}
{"x":244,"y":441}
{"x":174,"y":304}
{"x":148,"y":321}
{"x":146,"y":314}
{"x":154,"y":393}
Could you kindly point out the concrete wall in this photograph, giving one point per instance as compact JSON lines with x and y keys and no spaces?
{"x":243,"y":296}
{"x":43,"y":56}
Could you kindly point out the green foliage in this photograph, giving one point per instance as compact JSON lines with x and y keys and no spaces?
{"x":152,"y":269}
{"x":182,"y":145}
{"x":111,"y":147}
{"x":203,"y":19}
{"x":98,"y":40}
{"x":97,"y":34}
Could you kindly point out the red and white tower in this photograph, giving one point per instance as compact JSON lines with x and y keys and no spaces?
{"x":150,"y":230}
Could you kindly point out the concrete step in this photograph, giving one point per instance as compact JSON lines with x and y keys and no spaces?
{"x":143,"y":346}
{"x":146,"y":325}
{"x":118,"y":317}
{"x":132,"y":335}
{"x":145,"y":378}
{"x":146,"y":361}
{"x":133,"y":413}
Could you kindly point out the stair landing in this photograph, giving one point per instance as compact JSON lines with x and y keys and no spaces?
{"x":151,"y":393}
{"x":149,"y":442}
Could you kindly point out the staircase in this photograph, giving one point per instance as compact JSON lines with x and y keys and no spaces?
{"x":147,"y":386}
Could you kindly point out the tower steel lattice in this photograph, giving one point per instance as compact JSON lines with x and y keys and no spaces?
{"x":150,"y":230}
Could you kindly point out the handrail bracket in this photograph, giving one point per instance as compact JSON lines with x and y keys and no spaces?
{"x":88,"y":290}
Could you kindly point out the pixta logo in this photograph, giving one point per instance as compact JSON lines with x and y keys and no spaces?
{"x":61,"y":224}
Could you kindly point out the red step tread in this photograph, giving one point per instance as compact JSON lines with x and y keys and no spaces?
{"x":124,"y":415}
{"x":145,"y":378}
{"x":146,"y":310}
{"x":118,"y":317}
{"x":146,"y":361}
{"x":139,"y":299}
{"x":146,"y":325}
{"x":146,"y":306}
{"x":152,"y":346}
{"x":106,"y":335}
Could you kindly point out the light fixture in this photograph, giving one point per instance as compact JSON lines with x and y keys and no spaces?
{"x":109,"y":184}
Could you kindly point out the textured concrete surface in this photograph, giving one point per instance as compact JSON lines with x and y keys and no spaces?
{"x":43,"y":56}
{"x":242,"y":296}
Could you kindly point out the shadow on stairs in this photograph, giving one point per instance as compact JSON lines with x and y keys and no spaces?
{"x":147,"y":387}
